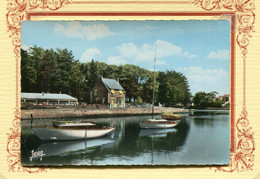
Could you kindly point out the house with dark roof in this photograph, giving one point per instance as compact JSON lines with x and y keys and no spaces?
{"x":48,"y":99}
{"x":109,"y":92}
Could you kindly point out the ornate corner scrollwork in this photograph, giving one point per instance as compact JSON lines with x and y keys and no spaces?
{"x":244,"y":10}
{"x":17,"y":10}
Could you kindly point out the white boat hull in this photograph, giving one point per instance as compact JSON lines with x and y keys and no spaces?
{"x":49,"y":133}
{"x":157,"y":125}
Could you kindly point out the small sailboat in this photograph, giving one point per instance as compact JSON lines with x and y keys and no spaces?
{"x":156,"y":123}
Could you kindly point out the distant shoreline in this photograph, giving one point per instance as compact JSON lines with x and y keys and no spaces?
{"x":210,"y":108}
{"x":66,"y":113}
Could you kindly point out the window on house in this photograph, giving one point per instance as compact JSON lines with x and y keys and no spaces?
{"x":95,"y":92}
{"x":119,"y":100}
{"x":112,"y":92}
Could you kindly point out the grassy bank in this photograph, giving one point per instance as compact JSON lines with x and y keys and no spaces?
{"x":92,"y":113}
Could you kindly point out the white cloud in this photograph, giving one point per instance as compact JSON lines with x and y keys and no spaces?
{"x":165,"y":48}
{"x":220,"y":55}
{"x":146,"y":52}
{"x":127,"y":50}
{"x":75,"y":29}
{"x":72,"y":29}
{"x":116,"y":60}
{"x":25,"y":47}
{"x":207,"y":80}
{"x":188,"y":55}
{"x":89,"y":54}
{"x":96,"y":31}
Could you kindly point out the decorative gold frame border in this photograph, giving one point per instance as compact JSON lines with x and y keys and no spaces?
{"x":241,"y":158}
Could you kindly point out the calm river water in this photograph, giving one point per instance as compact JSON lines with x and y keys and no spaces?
{"x":197,"y":140}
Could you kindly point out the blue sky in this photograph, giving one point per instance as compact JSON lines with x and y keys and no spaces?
{"x":200,"y":49}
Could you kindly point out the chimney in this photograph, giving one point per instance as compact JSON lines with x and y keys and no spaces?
{"x":117,"y":80}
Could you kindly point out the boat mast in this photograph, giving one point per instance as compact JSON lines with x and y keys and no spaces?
{"x":154,"y":79}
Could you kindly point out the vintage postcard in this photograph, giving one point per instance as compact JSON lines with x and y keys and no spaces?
{"x":125,"y":92}
{"x":144,"y":89}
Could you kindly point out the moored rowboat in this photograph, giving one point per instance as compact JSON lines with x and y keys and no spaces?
{"x":170,"y":116}
{"x":71,"y":133}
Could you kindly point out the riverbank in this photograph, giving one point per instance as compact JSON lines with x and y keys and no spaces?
{"x":93,"y":113}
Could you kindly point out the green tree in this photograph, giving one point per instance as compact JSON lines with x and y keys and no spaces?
{"x":139,"y":100}
{"x":92,"y":74}
{"x":90,"y":78}
{"x":47,"y":74}
{"x":173,"y":89}
{"x":203,"y":100}
{"x":36,"y":54}
{"x":28,"y":72}
{"x":63,"y":72}
{"x":148,"y":85}
{"x":76,"y":81}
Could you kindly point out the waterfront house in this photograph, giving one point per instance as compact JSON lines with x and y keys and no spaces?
{"x":48,"y":99}
{"x":226,"y":99}
{"x":109,"y":92}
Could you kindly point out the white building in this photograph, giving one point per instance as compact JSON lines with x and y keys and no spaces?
{"x":48,"y":99}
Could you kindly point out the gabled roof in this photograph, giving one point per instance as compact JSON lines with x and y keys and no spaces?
{"x":112,"y":84}
{"x":47,"y":96}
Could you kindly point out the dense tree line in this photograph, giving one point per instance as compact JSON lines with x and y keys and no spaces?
{"x":57,"y":71}
{"x":204,"y":100}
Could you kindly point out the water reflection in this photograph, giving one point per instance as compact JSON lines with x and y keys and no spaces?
{"x":209,"y":112}
{"x":156,"y":132}
{"x":210,"y":121}
{"x":129,"y":144}
{"x":66,"y":147}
